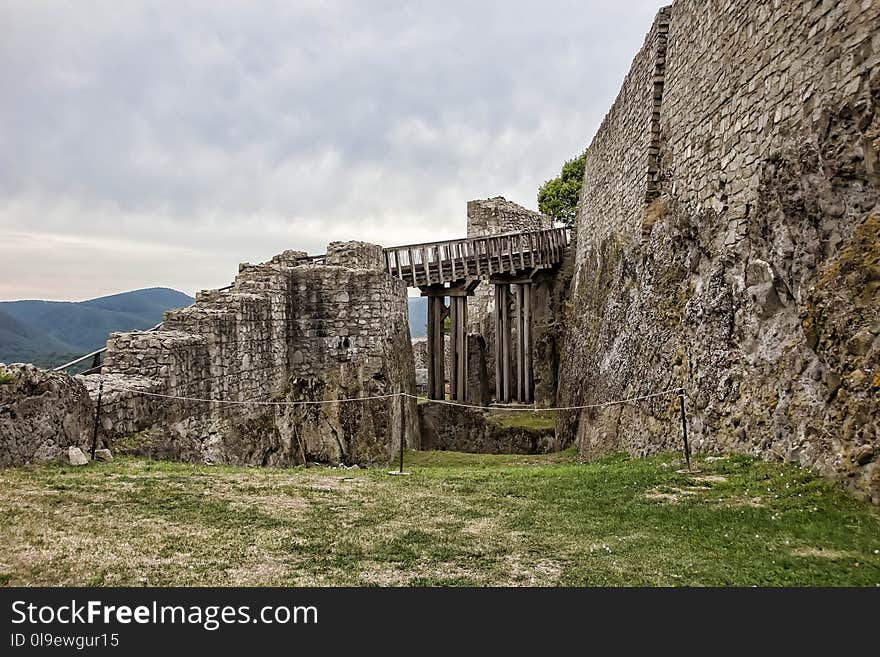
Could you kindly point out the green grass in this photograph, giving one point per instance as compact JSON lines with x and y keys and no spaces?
{"x":5,"y":377}
{"x":458,"y":519}
{"x":531,"y":420}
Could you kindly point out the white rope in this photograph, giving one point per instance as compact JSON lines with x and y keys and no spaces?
{"x":531,"y":409}
{"x":391,"y":395}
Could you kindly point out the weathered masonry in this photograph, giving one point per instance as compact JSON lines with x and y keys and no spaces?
{"x":729,"y":237}
{"x":224,"y":380}
{"x":453,"y":269}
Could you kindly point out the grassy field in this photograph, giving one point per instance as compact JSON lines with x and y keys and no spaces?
{"x":458,"y":519}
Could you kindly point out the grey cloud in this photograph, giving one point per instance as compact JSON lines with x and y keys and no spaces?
{"x":230,"y":131}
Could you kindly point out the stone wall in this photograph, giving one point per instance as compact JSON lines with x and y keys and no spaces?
{"x":288,"y":330}
{"x":735,"y":250}
{"x":621,"y":161}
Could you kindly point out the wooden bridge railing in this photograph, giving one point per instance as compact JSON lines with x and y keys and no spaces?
{"x":433,"y":263}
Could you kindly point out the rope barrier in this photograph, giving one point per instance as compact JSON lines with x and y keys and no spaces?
{"x":534,"y":409}
{"x":679,"y":392}
{"x":391,"y":395}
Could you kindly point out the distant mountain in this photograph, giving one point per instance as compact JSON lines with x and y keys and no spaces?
{"x":48,"y":333}
{"x":418,"y":317}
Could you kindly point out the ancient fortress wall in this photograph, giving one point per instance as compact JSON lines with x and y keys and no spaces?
{"x":287,"y":330}
{"x":728,"y":239}
{"x":621,"y":162}
{"x":743,"y":78}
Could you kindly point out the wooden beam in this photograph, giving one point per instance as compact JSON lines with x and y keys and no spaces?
{"x":465,"y":356}
{"x":451,"y":248}
{"x":532,"y":248}
{"x":425,"y":264}
{"x":527,"y":340}
{"x":429,"y":356}
{"x":439,"y":357}
{"x":497,"y":344}
{"x":522,"y":255}
{"x":505,"y":344}
{"x":453,"y":347}
{"x":520,"y":346}
{"x":412,"y":266}
{"x":463,"y":253}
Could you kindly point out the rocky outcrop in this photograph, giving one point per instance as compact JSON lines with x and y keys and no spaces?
{"x":42,"y":414}
{"x":733,"y":248}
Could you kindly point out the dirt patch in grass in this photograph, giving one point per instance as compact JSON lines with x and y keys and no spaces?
{"x":671,"y":496}
{"x":821,"y":553}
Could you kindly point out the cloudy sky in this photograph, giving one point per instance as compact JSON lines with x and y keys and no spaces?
{"x":162,"y":143}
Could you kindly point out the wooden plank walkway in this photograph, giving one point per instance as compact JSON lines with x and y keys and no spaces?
{"x":451,"y":261}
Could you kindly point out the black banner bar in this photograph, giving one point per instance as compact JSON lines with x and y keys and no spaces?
{"x":129,"y":621}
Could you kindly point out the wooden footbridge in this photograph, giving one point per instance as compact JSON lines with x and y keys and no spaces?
{"x":452,"y":269}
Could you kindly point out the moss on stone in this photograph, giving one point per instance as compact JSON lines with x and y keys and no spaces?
{"x":532,"y":421}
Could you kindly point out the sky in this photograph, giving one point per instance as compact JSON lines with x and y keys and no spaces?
{"x":161,"y":143}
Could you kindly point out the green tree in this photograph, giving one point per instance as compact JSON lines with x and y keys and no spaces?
{"x":558,"y":197}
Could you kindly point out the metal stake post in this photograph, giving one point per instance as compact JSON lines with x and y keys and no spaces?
{"x":402,"y":430}
{"x":684,"y":428}
{"x":97,"y":417}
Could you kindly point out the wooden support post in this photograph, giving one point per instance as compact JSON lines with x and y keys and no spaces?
{"x":453,"y":346}
{"x":505,"y":344}
{"x":497,"y":345}
{"x":439,"y":364}
{"x":432,"y":326}
{"x":463,"y":374}
{"x":527,"y":339}
{"x":520,"y":346}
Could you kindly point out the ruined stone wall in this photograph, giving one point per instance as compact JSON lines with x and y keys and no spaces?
{"x":621,"y":162}
{"x":735,"y":251}
{"x":288,"y":330}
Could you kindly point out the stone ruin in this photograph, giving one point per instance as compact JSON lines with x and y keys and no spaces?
{"x":289,"y":330}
